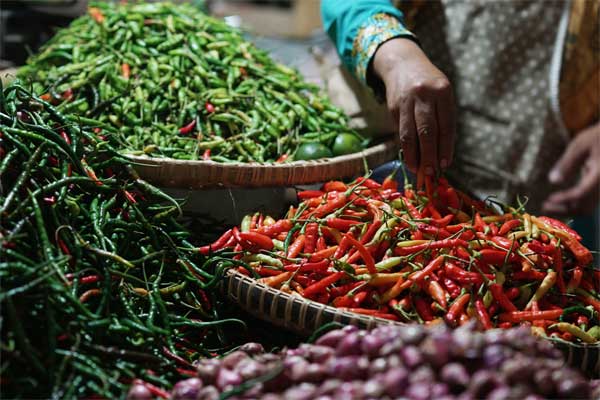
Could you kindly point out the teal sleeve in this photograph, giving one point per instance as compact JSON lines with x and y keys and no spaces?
{"x":359,"y":27}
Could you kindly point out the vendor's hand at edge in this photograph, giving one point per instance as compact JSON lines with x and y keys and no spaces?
{"x":420,"y":98}
{"x":582,"y":156}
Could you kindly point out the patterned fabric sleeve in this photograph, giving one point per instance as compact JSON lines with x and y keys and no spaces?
{"x":358,"y":27}
{"x":375,"y":31}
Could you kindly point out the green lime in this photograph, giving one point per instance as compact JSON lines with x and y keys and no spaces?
{"x":312,"y":151}
{"x":346,"y":143}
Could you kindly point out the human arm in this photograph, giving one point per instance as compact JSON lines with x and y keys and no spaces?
{"x":582,"y":156}
{"x":376,"y":47}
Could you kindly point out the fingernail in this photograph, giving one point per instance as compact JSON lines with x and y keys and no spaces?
{"x":555,"y":176}
{"x":443,"y":163}
{"x":428,"y":171}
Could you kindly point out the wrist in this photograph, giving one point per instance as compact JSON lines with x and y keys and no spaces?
{"x":392,"y":54}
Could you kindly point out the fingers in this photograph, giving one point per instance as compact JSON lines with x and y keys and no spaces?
{"x":570,"y":161}
{"x":446,"y":128}
{"x":427,"y":134}
{"x":581,"y":198}
{"x":408,"y":136}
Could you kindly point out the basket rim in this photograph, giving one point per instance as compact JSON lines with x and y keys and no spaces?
{"x":232,"y":274}
{"x":368,"y":319}
{"x":386,"y":145}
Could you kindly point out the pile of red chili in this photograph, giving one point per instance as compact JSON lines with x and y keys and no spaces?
{"x":427,"y":255}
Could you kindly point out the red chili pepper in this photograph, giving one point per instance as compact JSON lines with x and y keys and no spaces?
{"x":457,"y":307}
{"x":325,"y":253}
{"x":364,"y":253}
{"x":371,"y":231}
{"x":184,"y":130}
{"x":460,"y":275}
{"x":63,"y":246}
{"x":283,"y":225}
{"x":433,"y":265}
{"x":482,"y":315}
{"x":309,"y":194}
{"x":512,"y":293}
{"x":359,"y":297}
{"x":505,"y":243}
{"x":89,"y":279}
{"x":125,"y":70}
{"x":528,"y":275}
{"x":334,"y":204}
{"x":341,"y":224}
{"x":296,"y":247}
{"x":556,"y":224}
{"x":539,"y":248}
{"x":558,"y":265}
{"x":67,"y":94}
{"x":335,"y":186}
{"x":437,"y":233}
{"x":590,"y":301}
{"x":206,"y":155}
{"x":499,"y":295}
{"x":442,"y":222}
{"x":519,"y":316}
{"x":323,"y":283}
{"x":282,"y":158}
{"x":65,"y":137}
{"x":438,"y":293}
{"x":320,"y":266}
{"x":367,"y":182}
{"x":344,"y":289}
{"x":390,"y":183}
{"x":89,"y":293}
{"x":581,"y":253}
{"x":342,"y":301}
{"x":312,"y":231}
{"x":479,"y":224}
{"x":423,"y":309}
{"x":321,"y":245}
{"x":435,"y":214}
{"x":497,"y":257}
{"x":96,"y":14}
{"x":575,"y":279}
{"x":209,"y":107}
{"x":262,"y":241}
{"x":412,"y":210}
{"x":451,"y":286}
{"x":509,"y":226}
{"x":218,"y":244}
{"x":129,"y":196}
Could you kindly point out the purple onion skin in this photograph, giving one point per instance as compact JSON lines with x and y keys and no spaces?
{"x":411,"y":355}
{"x":482,"y":382}
{"x":208,"y":393}
{"x":227,"y":379}
{"x":187,"y":389}
{"x":420,"y":391}
{"x":303,"y":391}
{"x":139,"y":392}
{"x":349,"y":345}
{"x":395,"y":381}
{"x":208,"y":369}
{"x":232,"y":359}
{"x":252,"y":348}
{"x":331,"y":338}
{"x":455,"y":374}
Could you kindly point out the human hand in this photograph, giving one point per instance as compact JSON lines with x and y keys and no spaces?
{"x":582,"y":155}
{"x":420,"y":98}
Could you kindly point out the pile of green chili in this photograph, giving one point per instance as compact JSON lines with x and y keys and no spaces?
{"x":99,"y":284}
{"x":177,"y":83}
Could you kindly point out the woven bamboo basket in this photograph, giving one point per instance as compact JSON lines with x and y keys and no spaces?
{"x":304,"y":316}
{"x":171,"y":173}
